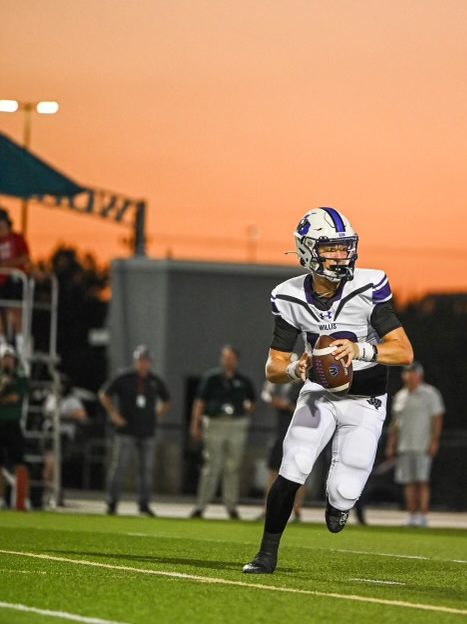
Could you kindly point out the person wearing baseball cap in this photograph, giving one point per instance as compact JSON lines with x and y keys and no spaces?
{"x":414,"y":434}
{"x":135,"y":400}
{"x":415,"y":367}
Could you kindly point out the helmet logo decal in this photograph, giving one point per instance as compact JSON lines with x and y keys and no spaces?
{"x":303,"y":227}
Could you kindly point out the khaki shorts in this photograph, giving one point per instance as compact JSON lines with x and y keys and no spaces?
{"x":413,"y":468}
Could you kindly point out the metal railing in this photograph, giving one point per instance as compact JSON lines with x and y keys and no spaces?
{"x":29,"y":358}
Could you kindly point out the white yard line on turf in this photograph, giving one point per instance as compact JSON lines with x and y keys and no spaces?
{"x":397,"y":556}
{"x":219,"y":581}
{"x":360,"y":580}
{"x":63,"y":615}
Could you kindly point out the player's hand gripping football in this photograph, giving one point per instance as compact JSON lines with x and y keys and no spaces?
{"x":346,"y":350}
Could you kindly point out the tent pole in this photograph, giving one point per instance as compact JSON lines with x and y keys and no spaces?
{"x":26,"y":144}
{"x":139,"y":238}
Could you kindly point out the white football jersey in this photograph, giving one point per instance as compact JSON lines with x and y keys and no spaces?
{"x":347,"y":315}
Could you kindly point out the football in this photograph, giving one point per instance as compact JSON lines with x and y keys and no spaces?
{"x":329,"y":372}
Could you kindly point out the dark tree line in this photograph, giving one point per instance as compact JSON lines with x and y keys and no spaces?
{"x":437,"y":326}
{"x":82,"y":306}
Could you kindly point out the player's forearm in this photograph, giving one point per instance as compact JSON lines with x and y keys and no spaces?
{"x":280,"y":368}
{"x":395,"y":350}
{"x":276,"y":370}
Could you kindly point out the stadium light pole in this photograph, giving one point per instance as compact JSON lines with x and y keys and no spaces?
{"x":44,"y":107}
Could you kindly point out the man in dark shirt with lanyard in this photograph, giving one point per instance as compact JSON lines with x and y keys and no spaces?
{"x":141,"y":399}
{"x":220,"y":418}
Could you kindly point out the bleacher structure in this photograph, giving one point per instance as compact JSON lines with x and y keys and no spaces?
{"x":41,"y":366}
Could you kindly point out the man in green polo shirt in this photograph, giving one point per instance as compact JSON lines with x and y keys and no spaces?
{"x":13,"y":390}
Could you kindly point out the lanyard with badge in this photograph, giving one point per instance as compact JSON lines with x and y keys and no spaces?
{"x":140,"y":396}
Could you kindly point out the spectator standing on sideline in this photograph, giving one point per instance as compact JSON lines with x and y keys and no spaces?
{"x":72,"y":413}
{"x":14,"y":254}
{"x":14,"y":388}
{"x":414,"y":433}
{"x":283,"y":397}
{"x":135,"y":399}
{"x":220,"y":417}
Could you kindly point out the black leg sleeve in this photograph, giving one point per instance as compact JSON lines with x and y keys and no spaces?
{"x":279,"y":504}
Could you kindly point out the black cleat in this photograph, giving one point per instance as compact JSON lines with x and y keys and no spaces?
{"x":111,"y":509}
{"x":335,"y":519}
{"x":263,"y":563}
{"x":145,"y":510}
{"x":196,"y":513}
{"x":233,"y":514}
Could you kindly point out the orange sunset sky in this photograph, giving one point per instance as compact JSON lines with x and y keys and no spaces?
{"x":233,"y":117}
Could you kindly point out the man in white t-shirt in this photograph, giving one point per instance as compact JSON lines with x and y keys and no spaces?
{"x":72,"y":412}
{"x":414,"y":433}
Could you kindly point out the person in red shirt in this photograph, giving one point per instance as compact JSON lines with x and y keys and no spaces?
{"x":14,"y":254}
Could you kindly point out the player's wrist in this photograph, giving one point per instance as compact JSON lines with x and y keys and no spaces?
{"x":367,"y":352}
{"x":292,"y":371}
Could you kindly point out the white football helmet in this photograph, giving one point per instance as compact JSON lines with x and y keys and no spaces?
{"x":325,"y":226}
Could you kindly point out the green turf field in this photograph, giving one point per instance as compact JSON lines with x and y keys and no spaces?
{"x":138,"y":570}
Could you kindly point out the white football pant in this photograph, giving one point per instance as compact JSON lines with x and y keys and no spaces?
{"x":354,"y":424}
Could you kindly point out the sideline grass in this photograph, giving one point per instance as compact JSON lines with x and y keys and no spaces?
{"x":312,"y":560}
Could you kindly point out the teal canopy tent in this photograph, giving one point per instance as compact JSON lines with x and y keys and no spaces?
{"x":24,"y":175}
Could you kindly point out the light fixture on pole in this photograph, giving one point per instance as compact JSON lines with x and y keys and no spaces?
{"x":44,"y":107}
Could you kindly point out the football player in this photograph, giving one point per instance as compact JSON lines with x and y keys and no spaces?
{"x":354,"y":307}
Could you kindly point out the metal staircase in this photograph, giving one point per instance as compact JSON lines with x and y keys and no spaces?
{"x":41,"y":367}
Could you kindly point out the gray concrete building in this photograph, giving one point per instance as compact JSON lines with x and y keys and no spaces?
{"x":185,"y":312}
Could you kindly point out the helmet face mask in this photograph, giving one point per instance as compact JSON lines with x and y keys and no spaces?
{"x":319,"y":236}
